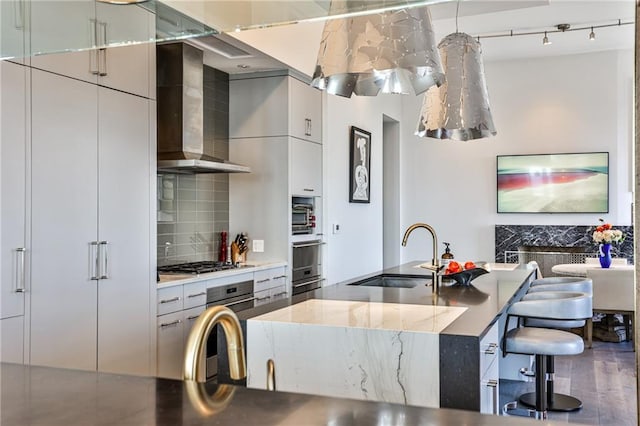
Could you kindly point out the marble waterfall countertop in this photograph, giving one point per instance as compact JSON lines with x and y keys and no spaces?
{"x":52,"y":397}
{"x":365,"y":350}
{"x":370,"y":315}
{"x":351,"y":341}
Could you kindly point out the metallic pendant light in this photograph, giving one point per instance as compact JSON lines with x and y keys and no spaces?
{"x":387,"y":52}
{"x":459,"y":109}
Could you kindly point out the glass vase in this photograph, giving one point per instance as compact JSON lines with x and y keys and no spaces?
{"x":605,"y":255}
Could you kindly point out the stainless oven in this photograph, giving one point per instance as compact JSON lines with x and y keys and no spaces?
{"x":306,"y":266}
{"x":237,"y":297}
{"x":303,"y":218}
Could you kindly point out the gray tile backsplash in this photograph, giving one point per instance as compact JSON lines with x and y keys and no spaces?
{"x":189,"y":231}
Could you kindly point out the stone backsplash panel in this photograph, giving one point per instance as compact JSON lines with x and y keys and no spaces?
{"x":515,"y":237}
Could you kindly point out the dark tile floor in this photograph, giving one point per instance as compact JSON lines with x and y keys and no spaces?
{"x":604,"y":378}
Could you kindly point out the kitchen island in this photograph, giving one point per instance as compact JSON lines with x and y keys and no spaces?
{"x":51,"y":396}
{"x":354,"y":348}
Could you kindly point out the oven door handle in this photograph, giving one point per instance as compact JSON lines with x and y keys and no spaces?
{"x":308,"y":282}
{"x":240,"y":301}
{"x":319,"y":243}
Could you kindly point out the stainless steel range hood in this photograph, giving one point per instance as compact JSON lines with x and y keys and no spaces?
{"x":182,"y":147}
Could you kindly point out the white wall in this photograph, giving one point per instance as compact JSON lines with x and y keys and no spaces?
{"x":576,"y":103}
{"x":357,"y":248}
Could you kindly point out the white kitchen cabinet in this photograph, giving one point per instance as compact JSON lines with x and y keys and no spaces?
{"x":90,"y":227}
{"x":275,"y":124}
{"x":64,"y":221}
{"x":14,"y":150}
{"x":124,"y":227}
{"x":88,"y":23}
{"x":306,"y":168}
{"x":305,"y":111}
{"x":259,"y":202}
{"x":265,"y":106}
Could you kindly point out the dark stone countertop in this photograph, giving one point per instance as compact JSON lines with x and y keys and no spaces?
{"x":50,"y":396}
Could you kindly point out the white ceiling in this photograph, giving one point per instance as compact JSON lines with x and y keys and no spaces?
{"x":296,"y":45}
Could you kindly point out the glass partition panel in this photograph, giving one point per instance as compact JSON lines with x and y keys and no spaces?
{"x":38,"y":27}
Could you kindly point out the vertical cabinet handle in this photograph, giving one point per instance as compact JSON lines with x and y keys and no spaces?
{"x":18,"y":14}
{"x":493,"y":384}
{"x":93,"y":53}
{"x":93,"y":260}
{"x":103,"y":252}
{"x":271,"y":375}
{"x":102,"y":53}
{"x":307,"y":127}
{"x":20,"y":270}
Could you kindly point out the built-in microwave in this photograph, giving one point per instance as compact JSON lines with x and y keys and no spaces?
{"x":303,"y":218}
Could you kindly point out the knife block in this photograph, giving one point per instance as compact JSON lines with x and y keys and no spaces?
{"x":236,"y":257}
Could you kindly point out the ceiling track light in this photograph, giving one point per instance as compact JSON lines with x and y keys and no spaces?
{"x":560,"y":28}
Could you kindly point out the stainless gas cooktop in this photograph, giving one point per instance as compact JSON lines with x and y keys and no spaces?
{"x":195,"y":267}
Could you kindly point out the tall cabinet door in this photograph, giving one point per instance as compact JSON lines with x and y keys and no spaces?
{"x":124,"y":227}
{"x":64,"y":221}
{"x":13,"y":157}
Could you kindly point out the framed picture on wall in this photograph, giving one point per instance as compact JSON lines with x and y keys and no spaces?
{"x":553,"y":183}
{"x":359,"y":166}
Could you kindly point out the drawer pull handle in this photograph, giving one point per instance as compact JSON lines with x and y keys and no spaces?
{"x":280,"y":294}
{"x":494,"y":393}
{"x":263,"y":298}
{"x":308,"y":189}
{"x":193,"y":317}
{"x":279,"y":276}
{"x":168,"y":324}
{"x":197,"y":295}
{"x":491,"y":350}
{"x":263,"y":281}
{"x":173,"y":299}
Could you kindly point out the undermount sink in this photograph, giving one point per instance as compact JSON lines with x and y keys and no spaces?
{"x":391,"y":281}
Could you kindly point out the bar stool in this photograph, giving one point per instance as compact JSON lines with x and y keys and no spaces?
{"x":544,"y":342}
{"x":556,"y":401}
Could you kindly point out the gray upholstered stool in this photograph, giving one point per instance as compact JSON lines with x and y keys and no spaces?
{"x":544,"y":342}
{"x":557,"y":280}
{"x":556,"y":401}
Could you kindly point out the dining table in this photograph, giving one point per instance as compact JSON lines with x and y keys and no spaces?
{"x":580,"y":269}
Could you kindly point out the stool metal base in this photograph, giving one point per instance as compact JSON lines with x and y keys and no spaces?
{"x":512,"y":409}
{"x":560,"y":402}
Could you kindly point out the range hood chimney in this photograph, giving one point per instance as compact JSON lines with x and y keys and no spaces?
{"x":181,"y":144}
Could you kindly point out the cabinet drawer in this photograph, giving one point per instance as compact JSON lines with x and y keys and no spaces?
{"x":278,"y":293}
{"x":263,"y":280}
{"x":189,"y":317}
{"x":170,"y":345}
{"x":170,"y":300}
{"x":278,"y":276}
{"x":262,"y":297}
{"x":195,"y":294}
{"x":490,"y":389}
{"x":489,"y":349}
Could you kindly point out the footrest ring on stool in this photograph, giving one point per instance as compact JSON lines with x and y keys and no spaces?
{"x":559,"y":403}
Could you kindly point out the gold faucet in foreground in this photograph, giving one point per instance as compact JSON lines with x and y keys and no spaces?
{"x":194,"y":358}
{"x":435,"y":263}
